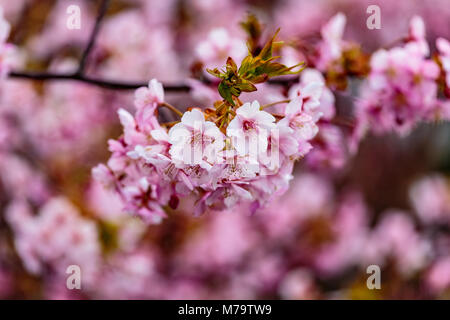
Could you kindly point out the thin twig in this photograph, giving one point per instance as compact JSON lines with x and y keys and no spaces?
{"x":93,"y":37}
{"x":171,"y":108}
{"x":274,"y":103}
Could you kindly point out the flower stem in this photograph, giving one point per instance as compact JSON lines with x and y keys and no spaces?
{"x":274,"y":103}
{"x":171,"y":108}
{"x":169,"y":124}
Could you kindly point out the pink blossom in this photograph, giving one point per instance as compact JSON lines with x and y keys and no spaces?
{"x":329,"y":148}
{"x":331,"y":47}
{"x":430,"y":197}
{"x":395,"y":236}
{"x":132,"y":44}
{"x":128,"y":275}
{"x":443,"y":46}
{"x":299,"y":119}
{"x":250,"y":124}
{"x":57,"y":237}
{"x":298,"y":284}
{"x":149,"y":96}
{"x":417,"y":36}
{"x":195,"y":141}
{"x":218,"y":46}
{"x":319,"y":98}
{"x":141,"y":199}
{"x":438,"y":277}
{"x":230,"y":235}
{"x":401,"y":89}
{"x":55,"y":33}
{"x":350,"y":230}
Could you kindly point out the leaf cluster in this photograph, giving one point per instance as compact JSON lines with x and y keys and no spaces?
{"x":254,"y":69}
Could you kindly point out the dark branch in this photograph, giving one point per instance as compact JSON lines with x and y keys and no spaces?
{"x":110,"y":84}
{"x":98,"y":82}
{"x":101,"y":13}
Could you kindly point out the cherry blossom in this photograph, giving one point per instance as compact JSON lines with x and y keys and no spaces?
{"x":401,"y":88}
{"x":219,"y":45}
{"x":332,"y":44}
{"x":251,"y":125}
{"x":443,"y":46}
{"x":195,"y":141}
{"x":182,"y":157}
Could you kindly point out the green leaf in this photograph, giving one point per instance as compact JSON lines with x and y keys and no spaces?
{"x":252,"y":26}
{"x":246,"y":87}
{"x":254,"y":29}
{"x":254,"y":69}
{"x":225,"y":92}
{"x":266,"y":52}
{"x":231,"y":64}
{"x":246,"y":65}
{"x":260,"y":78}
{"x":215,"y":72}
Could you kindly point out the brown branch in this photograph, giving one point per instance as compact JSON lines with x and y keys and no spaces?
{"x":93,"y":37}
{"x":108,"y":84}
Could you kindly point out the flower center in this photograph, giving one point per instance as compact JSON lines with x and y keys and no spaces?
{"x":248,"y":125}
{"x":197,"y":139}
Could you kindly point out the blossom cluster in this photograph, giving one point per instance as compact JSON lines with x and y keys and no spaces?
{"x":43,"y":240}
{"x":402,"y":87}
{"x":249,"y":162}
